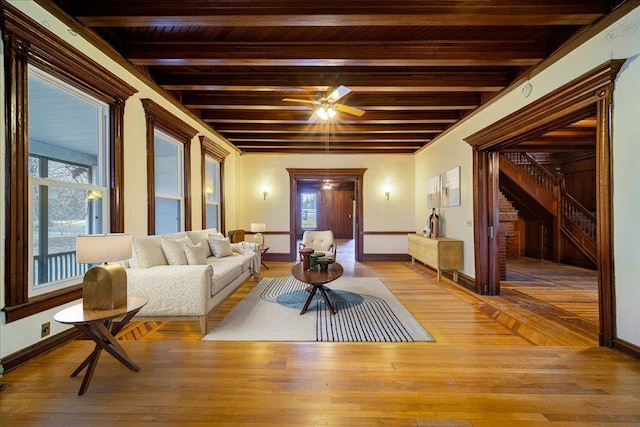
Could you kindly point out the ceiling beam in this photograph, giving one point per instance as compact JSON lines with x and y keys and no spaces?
{"x":418,"y":139}
{"x":259,"y":128}
{"x":100,"y":13}
{"x":462,"y":81}
{"x":331,"y":54}
{"x":263,"y":100}
{"x":235,"y":116}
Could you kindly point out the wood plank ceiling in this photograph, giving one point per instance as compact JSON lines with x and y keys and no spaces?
{"x":415,"y":67}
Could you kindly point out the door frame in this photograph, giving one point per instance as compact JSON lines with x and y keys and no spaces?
{"x":559,"y":108}
{"x":355,"y":175}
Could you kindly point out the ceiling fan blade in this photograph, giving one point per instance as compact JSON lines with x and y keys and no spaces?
{"x":313,"y":118}
{"x":338,"y":93}
{"x":349,"y":110}
{"x":303,"y":101}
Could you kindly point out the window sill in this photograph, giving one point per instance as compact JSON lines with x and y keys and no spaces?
{"x":42,"y":302}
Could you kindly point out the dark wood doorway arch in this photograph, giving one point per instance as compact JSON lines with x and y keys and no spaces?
{"x":559,"y":108}
{"x":355,"y":175}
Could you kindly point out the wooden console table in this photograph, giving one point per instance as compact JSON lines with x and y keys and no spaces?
{"x":440,"y":253}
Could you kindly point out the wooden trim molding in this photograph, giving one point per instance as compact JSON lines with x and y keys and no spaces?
{"x":38,"y":349}
{"x":157,"y":116}
{"x":565,"y":105}
{"x":209,"y":148}
{"x":355,"y":174}
{"x":387,"y":233}
{"x":26,"y":42}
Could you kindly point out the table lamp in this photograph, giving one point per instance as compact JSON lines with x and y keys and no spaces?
{"x":258,"y":229}
{"x":105,"y":285}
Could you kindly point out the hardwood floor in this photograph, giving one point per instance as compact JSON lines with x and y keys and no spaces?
{"x":494,"y":362}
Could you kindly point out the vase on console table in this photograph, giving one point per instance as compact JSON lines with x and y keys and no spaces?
{"x":434,"y":223}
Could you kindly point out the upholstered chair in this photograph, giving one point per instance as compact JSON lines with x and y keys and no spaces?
{"x":320,"y":241}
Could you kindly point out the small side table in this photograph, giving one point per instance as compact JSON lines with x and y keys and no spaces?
{"x":263,"y":250}
{"x":98,"y":326}
{"x":316,"y":280}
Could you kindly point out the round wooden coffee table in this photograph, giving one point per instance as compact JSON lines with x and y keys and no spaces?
{"x":317,"y":279}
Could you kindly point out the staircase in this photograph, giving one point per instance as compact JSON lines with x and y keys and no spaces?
{"x":509,"y":241}
{"x":543,"y":194}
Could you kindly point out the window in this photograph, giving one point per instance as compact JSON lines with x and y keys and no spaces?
{"x":169,"y":181}
{"x":168,"y":170}
{"x":67,"y":178}
{"x":212,"y":193}
{"x":64,"y":127}
{"x":212,"y":179}
{"x":308,"y":207}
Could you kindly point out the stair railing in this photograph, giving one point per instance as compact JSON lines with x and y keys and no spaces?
{"x":535,"y":170}
{"x":580,"y":216}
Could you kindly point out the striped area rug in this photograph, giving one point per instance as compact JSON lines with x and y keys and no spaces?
{"x":366,"y":311}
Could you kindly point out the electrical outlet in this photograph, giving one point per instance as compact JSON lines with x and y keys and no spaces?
{"x":468,"y":223}
{"x":45,"y":329}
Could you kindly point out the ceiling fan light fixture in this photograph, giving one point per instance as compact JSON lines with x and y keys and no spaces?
{"x":326,"y":112}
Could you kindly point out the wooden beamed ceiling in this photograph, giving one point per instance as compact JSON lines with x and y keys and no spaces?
{"x":415,"y":67}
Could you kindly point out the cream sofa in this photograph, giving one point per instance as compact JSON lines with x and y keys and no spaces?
{"x":181,"y":286}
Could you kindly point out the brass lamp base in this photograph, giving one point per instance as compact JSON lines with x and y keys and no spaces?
{"x":104,"y":287}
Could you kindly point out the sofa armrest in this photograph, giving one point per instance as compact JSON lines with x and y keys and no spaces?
{"x":173,"y":290}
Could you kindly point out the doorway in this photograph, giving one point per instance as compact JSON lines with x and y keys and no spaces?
{"x":555,"y":110}
{"x":326,"y":200}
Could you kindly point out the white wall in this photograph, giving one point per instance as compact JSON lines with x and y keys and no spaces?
{"x":260,"y":172}
{"x":20,"y":334}
{"x":618,"y":41}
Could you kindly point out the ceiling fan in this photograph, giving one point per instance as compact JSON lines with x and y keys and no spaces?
{"x":327,"y":106}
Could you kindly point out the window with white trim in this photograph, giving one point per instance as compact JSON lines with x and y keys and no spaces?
{"x":169,"y":183}
{"x":212,"y":193}
{"x":68,"y":176}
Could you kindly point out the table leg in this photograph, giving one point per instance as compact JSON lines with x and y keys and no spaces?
{"x":306,"y":304}
{"x":326,"y":300}
{"x":103,"y":334}
{"x":93,"y":362}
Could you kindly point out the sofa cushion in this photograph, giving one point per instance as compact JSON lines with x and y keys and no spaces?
{"x":149,"y":251}
{"x":196,"y":254}
{"x":225,"y":271}
{"x":202,"y":236}
{"x":174,"y":250}
{"x":220,"y":247}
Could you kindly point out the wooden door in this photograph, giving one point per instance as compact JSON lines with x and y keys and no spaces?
{"x":336,"y":212}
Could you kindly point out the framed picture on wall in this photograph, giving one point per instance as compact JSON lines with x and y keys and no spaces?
{"x":433,"y":192}
{"x":451,"y":187}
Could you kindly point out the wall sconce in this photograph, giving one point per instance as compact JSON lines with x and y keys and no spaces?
{"x":386,"y":193}
{"x":265,"y":193}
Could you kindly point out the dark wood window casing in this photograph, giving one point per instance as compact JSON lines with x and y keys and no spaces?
{"x":158,"y":116}
{"x":565,"y":105}
{"x":27,"y":42}
{"x":219,"y":154}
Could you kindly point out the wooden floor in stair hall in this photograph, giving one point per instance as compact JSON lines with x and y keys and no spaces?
{"x":495,"y":361}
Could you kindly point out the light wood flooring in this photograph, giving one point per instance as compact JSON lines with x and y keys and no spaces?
{"x":495,"y":361}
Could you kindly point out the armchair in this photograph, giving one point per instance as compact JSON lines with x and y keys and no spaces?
{"x":320,"y":241}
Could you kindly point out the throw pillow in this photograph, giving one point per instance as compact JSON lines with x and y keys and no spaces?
{"x":149,"y":251}
{"x":196,"y":254}
{"x":220,"y":247}
{"x":174,"y":250}
{"x":202,"y":236}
